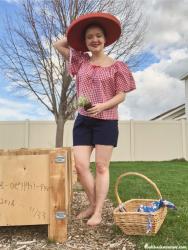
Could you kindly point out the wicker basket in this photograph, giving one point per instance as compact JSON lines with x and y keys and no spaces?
{"x":132,"y":222}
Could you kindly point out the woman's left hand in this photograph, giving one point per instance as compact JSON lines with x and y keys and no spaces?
{"x":98,"y":108}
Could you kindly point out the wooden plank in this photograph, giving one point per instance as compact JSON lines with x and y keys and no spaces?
{"x":69,"y":174}
{"x":24,"y":189}
{"x":57,"y":229}
{"x":74,"y":173}
{"x":25,"y":151}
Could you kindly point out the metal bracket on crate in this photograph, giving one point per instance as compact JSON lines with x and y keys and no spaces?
{"x":60,"y":215}
{"x":59,"y":159}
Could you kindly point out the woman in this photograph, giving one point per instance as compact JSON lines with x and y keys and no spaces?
{"x":104,"y":82}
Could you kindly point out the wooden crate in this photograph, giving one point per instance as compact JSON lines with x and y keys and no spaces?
{"x":36,"y":188}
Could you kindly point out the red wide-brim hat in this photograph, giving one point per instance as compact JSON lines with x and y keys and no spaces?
{"x":76,"y":30}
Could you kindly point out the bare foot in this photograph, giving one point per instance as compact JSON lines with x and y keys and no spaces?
{"x":86,"y":213}
{"x":94,"y":220}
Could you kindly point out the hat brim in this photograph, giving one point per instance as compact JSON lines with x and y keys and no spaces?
{"x":76,"y":30}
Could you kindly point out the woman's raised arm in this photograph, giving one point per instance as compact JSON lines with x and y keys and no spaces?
{"x":62,"y":47}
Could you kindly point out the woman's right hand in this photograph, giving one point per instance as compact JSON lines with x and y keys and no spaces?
{"x":61,"y":42}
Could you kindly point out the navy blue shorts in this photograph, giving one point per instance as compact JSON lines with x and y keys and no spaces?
{"x":92,"y":131}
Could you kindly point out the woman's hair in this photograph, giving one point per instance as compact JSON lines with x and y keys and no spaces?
{"x":94,"y":25}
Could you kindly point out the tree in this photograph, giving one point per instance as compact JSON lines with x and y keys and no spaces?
{"x":34,"y":66}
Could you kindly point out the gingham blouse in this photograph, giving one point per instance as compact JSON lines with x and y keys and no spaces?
{"x":99,"y":84}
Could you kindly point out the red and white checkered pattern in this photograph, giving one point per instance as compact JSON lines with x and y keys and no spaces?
{"x":99,"y":84}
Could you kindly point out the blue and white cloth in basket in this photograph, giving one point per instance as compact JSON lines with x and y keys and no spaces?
{"x":155,"y":205}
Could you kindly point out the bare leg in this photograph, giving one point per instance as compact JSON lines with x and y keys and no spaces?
{"x":103,"y":156}
{"x":82,"y":162}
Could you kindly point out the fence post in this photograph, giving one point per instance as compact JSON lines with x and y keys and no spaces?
{"x":184,"y":146}
{"x":132,"y":142}
{"x":26,"y":137}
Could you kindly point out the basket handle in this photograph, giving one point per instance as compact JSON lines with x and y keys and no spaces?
{"x":137,"y":174}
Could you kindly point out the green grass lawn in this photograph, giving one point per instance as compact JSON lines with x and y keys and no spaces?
{"x":171,"y":177}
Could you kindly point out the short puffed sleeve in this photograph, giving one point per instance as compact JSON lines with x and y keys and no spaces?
{"x":123,"y":78}
{"x":76,"y":58}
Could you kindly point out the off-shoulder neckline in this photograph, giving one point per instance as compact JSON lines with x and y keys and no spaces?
{"x":113,"y":64}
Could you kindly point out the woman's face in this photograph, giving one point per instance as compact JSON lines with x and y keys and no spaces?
{"x":95,"y":39}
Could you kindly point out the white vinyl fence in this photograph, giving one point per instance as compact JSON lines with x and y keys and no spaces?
{"x":138,"y":140}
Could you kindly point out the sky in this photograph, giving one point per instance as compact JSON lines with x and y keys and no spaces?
{"x":158,"y":84}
